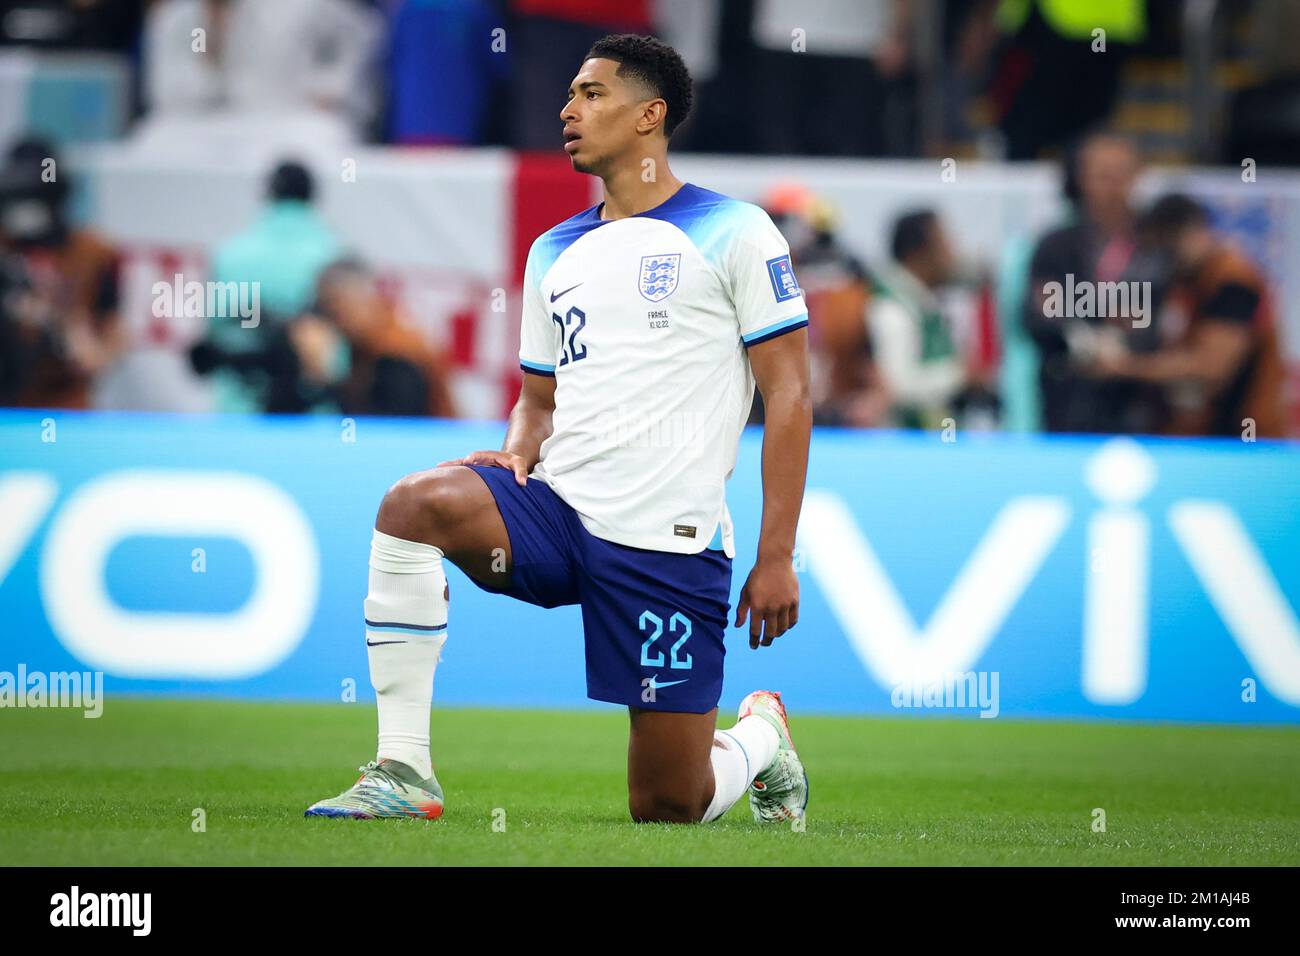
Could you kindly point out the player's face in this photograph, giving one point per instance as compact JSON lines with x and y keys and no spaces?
{"x":600,"y":116}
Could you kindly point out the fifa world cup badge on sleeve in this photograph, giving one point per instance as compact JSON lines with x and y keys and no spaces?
{"x":784,"y":284}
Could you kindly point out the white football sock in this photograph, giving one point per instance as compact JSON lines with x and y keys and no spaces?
{"x":738,"y":756}
{"x":406,"y":626}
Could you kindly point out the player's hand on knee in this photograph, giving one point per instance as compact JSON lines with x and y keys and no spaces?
{"x":770,"y":600}
{"x":501,"y":459}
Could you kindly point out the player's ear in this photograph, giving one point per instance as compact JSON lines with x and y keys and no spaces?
{"x":652,"y":117}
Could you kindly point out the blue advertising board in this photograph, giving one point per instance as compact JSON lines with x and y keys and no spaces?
{"x":1075,"y":577}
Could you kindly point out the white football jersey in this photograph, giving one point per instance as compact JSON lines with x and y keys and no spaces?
{"x":645,"y":322}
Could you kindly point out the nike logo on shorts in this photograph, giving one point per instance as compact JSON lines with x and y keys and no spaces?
{"x":654,"y":683}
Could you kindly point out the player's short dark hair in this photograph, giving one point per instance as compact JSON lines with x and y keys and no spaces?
{"x":291,"y":180}
{"x":913,"y":232}
{"x":655,"y":64}
{"x":1169,"y":215}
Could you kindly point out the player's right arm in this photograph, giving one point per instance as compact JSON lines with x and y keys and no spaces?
{"x":529,"y":426}
{"x":531,"y":418}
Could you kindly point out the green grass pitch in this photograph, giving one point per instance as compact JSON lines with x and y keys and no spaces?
{"x":122,"y":790}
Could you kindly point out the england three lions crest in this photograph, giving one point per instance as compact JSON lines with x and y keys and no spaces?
{"x":659,"y":276}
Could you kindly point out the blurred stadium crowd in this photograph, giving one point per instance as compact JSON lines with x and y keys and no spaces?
{"x":912,"y":340}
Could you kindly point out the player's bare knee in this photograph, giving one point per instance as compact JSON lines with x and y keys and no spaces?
{"x":420,"y":506}
{"x":656,"y":807}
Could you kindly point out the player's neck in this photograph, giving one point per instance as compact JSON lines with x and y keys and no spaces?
{"x":627,"y":192}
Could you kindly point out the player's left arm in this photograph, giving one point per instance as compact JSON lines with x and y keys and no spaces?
{"x":770,"y":597}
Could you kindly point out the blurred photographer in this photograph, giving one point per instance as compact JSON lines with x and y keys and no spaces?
{"x":1066,"y":310}
{"x":846,"y":386}
{"x":58,"y":288}
{"x":1223,"y":371}
{"x":282,"y":253}
{"x":387,"y":369}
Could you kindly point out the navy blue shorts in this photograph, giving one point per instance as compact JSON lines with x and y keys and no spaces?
{"x":652,"y":621}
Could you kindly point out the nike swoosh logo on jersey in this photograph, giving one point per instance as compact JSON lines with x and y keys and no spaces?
{"x":370,"y":643}
{"x":556,"y":295}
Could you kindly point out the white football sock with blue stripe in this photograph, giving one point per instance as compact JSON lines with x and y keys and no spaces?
{"x":406,"y":626}
{"x":739,"y":755}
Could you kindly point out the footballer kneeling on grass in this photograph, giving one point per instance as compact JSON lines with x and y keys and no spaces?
{"x":647,"y":320}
